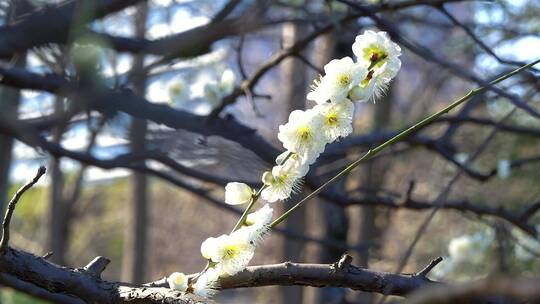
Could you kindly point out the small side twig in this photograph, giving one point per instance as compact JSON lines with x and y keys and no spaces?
{"x":424,"y":272}
{"x":342,"y":265}
{"x":11,"y":207}
{"x":97,"y":266}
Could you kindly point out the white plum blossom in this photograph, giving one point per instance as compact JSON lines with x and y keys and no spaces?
{"x":238,"y":193}
{"x":337,"y":119}
{"x":280,"y":183}
{"x":261,"y":217}
{"x":179,"y":91}
{"x":231,"y":252}
{"x":376,"y":50}
{"x":293,"y":161}
{"x":470,"y":247}
{"x":178,"y":281}
{"x":215,"y":91}
{"x":227,"y":81}
{"x":207,"y":283}
{"x":301,"y":134}
{"x":371,"y":88}
{"x":304,"y":138}
{"x":461,"y":247}
{"x":341,"y":75}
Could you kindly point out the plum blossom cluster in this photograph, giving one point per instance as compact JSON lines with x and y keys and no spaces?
{"x":209,"y":90}
{"x":304,"y":138}
{"x":469,"y":255}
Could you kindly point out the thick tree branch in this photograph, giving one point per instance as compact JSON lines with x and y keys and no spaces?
{"x":25,"y":271}
{"x":287,"y":274}
{"x":322,"y":275}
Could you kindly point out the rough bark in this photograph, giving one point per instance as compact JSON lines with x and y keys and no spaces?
{"x":34,"y":275}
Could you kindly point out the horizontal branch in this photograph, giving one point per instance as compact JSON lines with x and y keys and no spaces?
{"x":510,"y":290}
{"x":322,"y":275}
{"x":38,"y":277}
{"x":111,"y":101}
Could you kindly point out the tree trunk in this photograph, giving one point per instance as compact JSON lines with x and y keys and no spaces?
{"x":136,"y":237}
{"x":9,"y":104}
{"x":372,"y":220}
{"x":294,"y":88}
{"x":57,"y":236}
{"x":335,"y":219}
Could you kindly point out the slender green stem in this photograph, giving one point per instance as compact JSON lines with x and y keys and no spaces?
{"x":254,"y":199}
{"x":397,"y":138}
{"x":252,"y":202}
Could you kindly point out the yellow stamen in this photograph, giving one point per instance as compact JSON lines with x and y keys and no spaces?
{"x":331,"y":119}
{"x":344,"y":80}
{"x":304,"y":133}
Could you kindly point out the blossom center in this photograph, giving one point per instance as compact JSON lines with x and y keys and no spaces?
{"x":331,"y":119}
{"x":179,"y":280}
{"x":344,"y":80}
{"x":375,"y":55}
{"x":304,"y":133}
{"x":230,"y":252}
{"x":176,"y":89}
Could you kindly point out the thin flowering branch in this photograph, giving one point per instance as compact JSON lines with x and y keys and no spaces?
{"x":398,"y":138}
{"x":304,"y":137}
{"x":427,"y":54}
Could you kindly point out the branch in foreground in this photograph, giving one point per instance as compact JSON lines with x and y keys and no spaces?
{"x":37,"y":276}
{"x":512,"y":290}
{"x":324,"y":275}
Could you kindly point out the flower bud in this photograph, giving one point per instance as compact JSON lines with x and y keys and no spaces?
{"x":267,"y":178}
{"x":178,"y":281}
{"x":238,"y":193}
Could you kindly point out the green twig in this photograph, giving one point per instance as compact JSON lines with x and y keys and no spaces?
{"x":252,"y":202}
{"x":398,"y":138}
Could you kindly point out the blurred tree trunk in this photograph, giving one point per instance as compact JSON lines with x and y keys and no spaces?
{"x":294,"y":80}
{"x":9,"y":104}
{"x":136,"y":237}
{"x":335,"y":220}
{"x":373,"y":220}
{"x":57,"y":236}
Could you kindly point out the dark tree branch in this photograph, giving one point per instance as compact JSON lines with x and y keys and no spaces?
{"x":322,"y":275}
{"x":97,"y":266}
{"x":28,"y":272}
{"x":510,"y":290}
{"x":476,"y":39}
{"x":424,"y":272}
{"x":52,"y":24}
